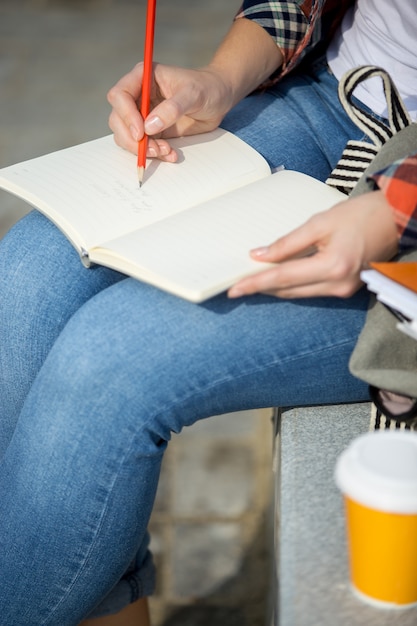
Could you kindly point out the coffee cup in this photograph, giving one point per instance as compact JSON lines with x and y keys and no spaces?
{"x":377,"y":475}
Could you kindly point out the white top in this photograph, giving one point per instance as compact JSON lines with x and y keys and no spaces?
{"x":383,"y":33}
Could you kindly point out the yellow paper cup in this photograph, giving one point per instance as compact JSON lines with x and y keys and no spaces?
{"x":377,"y":475}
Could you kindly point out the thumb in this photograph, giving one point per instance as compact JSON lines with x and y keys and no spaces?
{"x":162,"y":117}
{"x":168,"y":116}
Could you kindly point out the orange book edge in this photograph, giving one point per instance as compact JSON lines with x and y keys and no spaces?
{"x":404,"y":274}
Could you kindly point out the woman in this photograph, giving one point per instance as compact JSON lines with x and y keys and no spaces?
{"x":98,"y":369}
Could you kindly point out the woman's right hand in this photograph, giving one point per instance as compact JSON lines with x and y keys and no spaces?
{"x":183,"y":102}
{"x":187,"y":101}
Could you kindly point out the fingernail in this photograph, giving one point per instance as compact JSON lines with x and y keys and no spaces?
{"x":262,"y":251}
{"x":134,"y":132}
{"x":234,"y":292}
{"x":153,"y":125}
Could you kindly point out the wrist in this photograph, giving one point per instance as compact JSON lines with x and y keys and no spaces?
{"x":220,"y":94}
{"x":383,"y":229}
{"x":247,"y":57}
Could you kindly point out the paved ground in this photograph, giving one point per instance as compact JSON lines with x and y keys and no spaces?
{"x":57,"y":60}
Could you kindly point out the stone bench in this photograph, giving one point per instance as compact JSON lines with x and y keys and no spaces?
{"x":311,"y":570}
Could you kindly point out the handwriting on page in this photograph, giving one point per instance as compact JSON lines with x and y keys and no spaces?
{"x":107,"y":176}
{"x":145,"y":201}
{"x":92,"y":191}
{"x":132,"y":198}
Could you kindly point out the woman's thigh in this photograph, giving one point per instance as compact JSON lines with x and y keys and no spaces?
{"x":299,"y":123}
{"x":42,"y":283}
{"x":168,"y":362}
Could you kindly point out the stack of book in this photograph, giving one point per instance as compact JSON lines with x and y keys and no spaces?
{"x":395,"y":285}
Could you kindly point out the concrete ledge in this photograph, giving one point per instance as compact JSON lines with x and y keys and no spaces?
{"x":310,"y":547}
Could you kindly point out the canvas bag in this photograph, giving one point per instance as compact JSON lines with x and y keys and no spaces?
{"x":383,"y":357}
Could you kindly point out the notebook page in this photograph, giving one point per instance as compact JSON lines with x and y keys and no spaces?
{"x":91,"y":190}
{"x":204,"y":250}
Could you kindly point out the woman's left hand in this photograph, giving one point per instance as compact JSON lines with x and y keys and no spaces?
{"x":344,"y":238}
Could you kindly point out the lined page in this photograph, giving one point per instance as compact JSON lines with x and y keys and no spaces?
{"x":92,"y":193}
{"x":203,"y":251}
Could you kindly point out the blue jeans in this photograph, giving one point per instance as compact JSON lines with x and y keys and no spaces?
{"x":97,"y":371}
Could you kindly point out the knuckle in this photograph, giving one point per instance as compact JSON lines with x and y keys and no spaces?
{"x":341,"y":269}
{"x":344,"y":290}
{"x":173,"y":109}
{"x":112,"y":121}
{"x":117,"y":140}
{"x":112,"y":95}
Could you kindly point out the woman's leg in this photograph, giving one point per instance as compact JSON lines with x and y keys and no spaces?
{"x":42,"y":283}
{"x":78,"y":480}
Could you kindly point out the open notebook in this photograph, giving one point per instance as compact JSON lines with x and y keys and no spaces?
{"x":189,"y":228}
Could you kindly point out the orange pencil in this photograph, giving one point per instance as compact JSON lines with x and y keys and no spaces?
{"x":146,"y":84}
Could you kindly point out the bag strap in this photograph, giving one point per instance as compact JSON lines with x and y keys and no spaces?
{"x":358,"y":155}
{"x":376,"y":130}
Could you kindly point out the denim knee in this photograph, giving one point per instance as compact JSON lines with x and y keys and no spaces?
{"x":138,"y":582}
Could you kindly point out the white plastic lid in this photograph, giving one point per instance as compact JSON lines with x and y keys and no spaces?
{"x":379,"y":470}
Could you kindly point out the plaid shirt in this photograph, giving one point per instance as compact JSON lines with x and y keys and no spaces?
{"x":399,"y":184}
{"x":297,"y":28}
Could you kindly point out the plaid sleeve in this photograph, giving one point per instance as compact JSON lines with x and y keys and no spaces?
{"x":297,"y":26}
{"x":286,"y":22}
{"x":399,"y":184}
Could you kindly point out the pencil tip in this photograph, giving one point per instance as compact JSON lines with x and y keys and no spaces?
{"x":140,"y":176}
